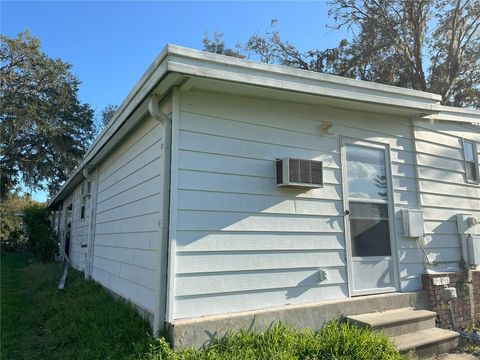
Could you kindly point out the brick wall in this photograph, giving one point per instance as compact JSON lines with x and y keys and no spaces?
{"x":466,"y":308}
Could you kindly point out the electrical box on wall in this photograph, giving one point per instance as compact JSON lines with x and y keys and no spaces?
{"x":449,"y":293}
{"x":413,"y":224}
{"x":469,"y":230}
{"x":473,"y":247}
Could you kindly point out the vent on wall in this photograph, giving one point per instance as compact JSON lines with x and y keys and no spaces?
{"x":301,"y":173}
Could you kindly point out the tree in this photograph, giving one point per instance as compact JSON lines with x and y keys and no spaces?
{"x":217,"y":46}
{"x":45,"y":129}
{"x":272,"y":49}
{"x":107,"y":113}
{"x":428,"y":45}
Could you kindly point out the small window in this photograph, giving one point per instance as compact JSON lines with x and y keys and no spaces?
{"x":82,"y":211}
{"x":472,"y":173}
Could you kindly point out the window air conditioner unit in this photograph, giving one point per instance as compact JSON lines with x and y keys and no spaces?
{"x":299,"y":173}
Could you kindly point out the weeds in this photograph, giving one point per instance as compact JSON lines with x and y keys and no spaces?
{"x":85,"y":322}
{"x":336,"y":341}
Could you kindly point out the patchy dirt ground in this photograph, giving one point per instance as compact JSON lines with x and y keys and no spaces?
{"x":455,"y":357}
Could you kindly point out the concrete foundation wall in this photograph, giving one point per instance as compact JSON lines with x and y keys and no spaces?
{"x":200,"y":331}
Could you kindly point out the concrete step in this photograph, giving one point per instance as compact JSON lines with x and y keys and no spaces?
{"x":396,"y":322}
{"x":427,"y":342}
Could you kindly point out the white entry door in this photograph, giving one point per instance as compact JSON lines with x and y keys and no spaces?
{"x":368,"y":218}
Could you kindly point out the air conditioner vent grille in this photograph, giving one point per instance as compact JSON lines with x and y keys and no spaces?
{"x":294,"y":172}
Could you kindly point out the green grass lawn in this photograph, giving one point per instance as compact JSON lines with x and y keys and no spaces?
{"x":83,"y":321}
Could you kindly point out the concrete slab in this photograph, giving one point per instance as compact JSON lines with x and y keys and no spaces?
{"x":396,"y":322}
{"x":379,"y":319}
{"x":427,"y":342}
{"x":200,"y":331}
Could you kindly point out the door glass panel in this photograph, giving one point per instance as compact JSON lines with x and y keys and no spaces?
{"x":366,"y":173}
{"x":369,"y":229}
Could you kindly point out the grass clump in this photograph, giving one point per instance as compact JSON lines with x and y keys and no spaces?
{"x":38,"y":321}
{"x":84,"y":322}
{"x":472,"y":348}
{"x":336,"y":341}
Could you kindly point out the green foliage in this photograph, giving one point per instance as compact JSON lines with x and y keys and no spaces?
{"x":12,"y":236}
{"x":45,"y":129}
{"x":336,"y":341}
{"x":81,"y":322}
{"x":85,"y":322}
{"x":427,"y":45}
{"x":41,"y":237}
{"x":107,"y":114}
{"x":217,"y":46}
{"x":473,"y":349}
{"x":470,"y":348}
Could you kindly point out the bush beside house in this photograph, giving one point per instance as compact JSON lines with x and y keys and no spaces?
{"x":41,"y":237}
{"x":12,"y":229}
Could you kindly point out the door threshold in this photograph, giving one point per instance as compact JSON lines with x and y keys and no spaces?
{"x":374,"y":292}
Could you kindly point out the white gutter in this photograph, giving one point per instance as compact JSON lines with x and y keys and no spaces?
{"x":146,"y":83}
{"x":454,"y":114}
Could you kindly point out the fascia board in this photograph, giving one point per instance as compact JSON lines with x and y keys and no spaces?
{"x":296,"y":86}
{"x":302,"y":75}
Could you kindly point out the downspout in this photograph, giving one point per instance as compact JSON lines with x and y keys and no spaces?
{"x":162,"y":260}
{"x":91,"y":229}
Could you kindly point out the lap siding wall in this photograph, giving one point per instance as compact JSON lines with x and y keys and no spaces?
{"x":80,"y":228}
{"x":241,"y":242}
{"x":127,"y":217}
{"x":443,"y":190}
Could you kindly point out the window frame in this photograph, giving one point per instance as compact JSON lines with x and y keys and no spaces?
{"x":475,"y":161}
{"x":83,"y":208}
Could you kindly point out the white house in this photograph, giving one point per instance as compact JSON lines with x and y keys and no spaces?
{"x":225,"y":189}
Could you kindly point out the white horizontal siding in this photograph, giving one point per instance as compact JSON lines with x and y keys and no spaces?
{"x":257,"y":240}
{"x":127,"y":216}
{"x":443,"y":190}
{"x":191,"y":306}
{"x":243,"y":243}
{"x":79,"y":230}
{"x":258,"y":279}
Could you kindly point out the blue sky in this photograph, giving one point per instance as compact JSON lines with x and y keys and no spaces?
{"x":110,"y":44}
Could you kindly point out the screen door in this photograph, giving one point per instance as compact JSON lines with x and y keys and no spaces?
{"x":368,"y":218}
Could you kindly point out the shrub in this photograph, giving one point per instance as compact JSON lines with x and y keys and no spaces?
{"x":41,"y":236}
{"x":335,"y":341}
{"x":12,"y":235}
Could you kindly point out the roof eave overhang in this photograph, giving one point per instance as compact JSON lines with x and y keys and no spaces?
{"x":176,"y":64}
